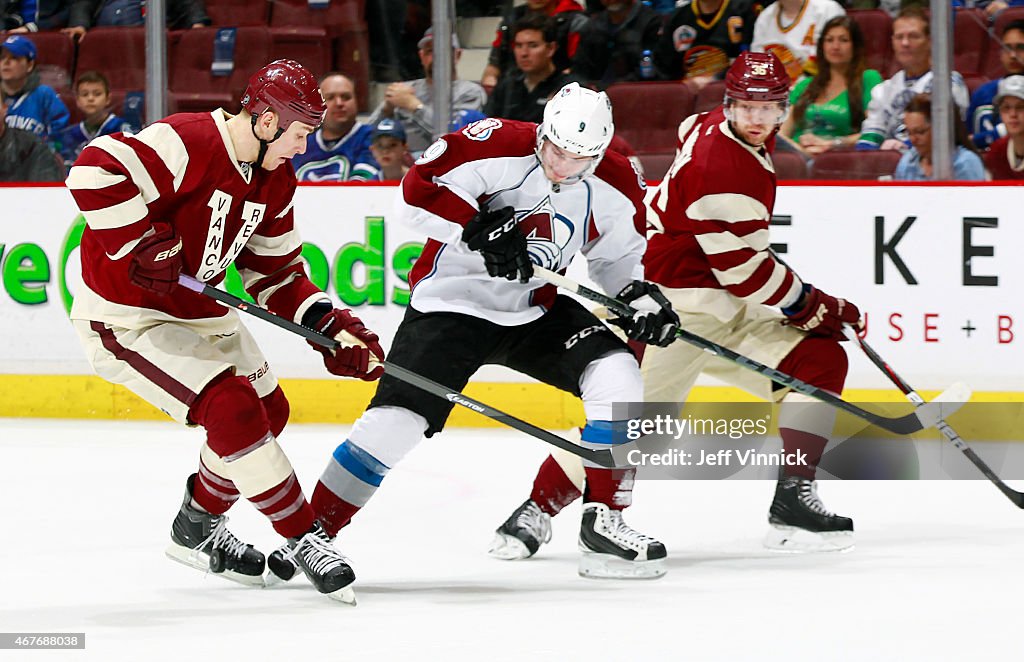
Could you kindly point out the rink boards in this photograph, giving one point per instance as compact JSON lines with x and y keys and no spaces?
{"x":935,"y":269}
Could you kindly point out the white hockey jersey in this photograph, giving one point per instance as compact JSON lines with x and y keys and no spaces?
{"x":491,"y":163}
{"x":794,"y":43}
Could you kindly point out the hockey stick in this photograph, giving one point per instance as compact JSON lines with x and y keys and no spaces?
{"x":927,"y":416}
{"x":1013,"y":495}
{"x":600,"y":457}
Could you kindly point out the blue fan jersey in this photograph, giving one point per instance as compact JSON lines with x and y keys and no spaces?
{"x":348,"y":160}
{"x":74,"y":138}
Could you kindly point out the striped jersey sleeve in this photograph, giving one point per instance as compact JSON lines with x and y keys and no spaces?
{"x":118,"y":177}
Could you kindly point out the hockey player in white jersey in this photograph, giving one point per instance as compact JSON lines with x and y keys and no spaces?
{"x":494,"y":199}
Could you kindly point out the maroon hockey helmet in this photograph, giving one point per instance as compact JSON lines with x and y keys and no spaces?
{"x":287,"y":88}
{"x":757,"y":77}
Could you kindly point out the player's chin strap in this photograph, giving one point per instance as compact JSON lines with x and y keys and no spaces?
{"x":264,"y":144}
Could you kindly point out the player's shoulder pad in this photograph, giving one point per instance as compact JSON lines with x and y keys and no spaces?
{"x":621,"y":173}
{"x":488,"y":138}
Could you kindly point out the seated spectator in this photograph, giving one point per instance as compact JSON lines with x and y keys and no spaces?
{"x":411,"y":102}
{"x":791,"y":29}
{"x":339,"y":151}
{"x":1005,"y":159}
{"x":181,"y":14}
{"x":829,"y":108}
{"x":916,"y":163}
{"x":92,"y":96}
{"x":702,"y":37}
{"x":912,"y":44}
{"x":569,"y":20}
{"x":69,"y":16}
{"x":19,"y":16}
{"x":523,"y":94}
{"x":24,"y":157}
{"x":984,"y":122}
{"x":612,"y":43}
{"x":389,"y":148}
{"x":31,"y":106}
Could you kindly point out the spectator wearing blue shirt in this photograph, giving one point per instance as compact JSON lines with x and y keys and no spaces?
{"x":31,"y":106}
{"x":916,"y":163}
{"x":985,"y":125}
{"x":339,"y":151}
{"x":19,"y":16}
{"x":92,"y":96}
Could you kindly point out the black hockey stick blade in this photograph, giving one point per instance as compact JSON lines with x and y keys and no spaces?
{"x":945,"y":428}
{"x":924,"y":417}
{"x":599,"y":457}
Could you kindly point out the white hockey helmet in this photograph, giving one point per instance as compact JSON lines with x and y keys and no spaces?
{"x":579,"y":121}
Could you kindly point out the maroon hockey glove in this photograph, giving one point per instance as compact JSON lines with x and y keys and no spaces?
{"x":156,"y":261}
{"x":497,"y":236}
{"x":820,"y":314}
{"x":654,"y":323}
{"x":358,"y":353}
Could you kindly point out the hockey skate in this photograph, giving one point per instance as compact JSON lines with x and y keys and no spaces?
{"x":522,"y":534}
{"x":800,"y":523}
{"x":612,"y":550}
{"x":202,"y":541}
{"x":326,"y":568}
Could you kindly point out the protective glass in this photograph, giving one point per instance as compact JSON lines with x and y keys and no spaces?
{"x":758,"y":112}
{"x":560,"y":164}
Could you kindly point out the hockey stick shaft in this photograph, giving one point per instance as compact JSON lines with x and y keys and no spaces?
{"x":600,"y":457}
{"x":947,"y":430}
{"x":907,"y":424}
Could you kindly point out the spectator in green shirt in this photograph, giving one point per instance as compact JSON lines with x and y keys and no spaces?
{"x":828,"y":109}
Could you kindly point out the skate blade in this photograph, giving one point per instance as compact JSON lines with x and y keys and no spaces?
{"x":344,"y":595}
{"x":795,"y":540}
{"x":508,"y":548}
{"x":609,"y":566}
{"x":201,"y":562}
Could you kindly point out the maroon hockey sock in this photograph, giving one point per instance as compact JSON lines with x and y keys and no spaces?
{"x":804,"y":444}
{"x":286,"y":508}
{"x":612,"y":487}
{"x":332,"y":511}
{"x":821,"y":362}
{"x":552,"y":488}
{"x":214,"y":493}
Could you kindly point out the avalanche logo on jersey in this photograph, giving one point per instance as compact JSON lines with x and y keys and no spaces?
{"x":547,"y":234}
{"x":482,"y":129}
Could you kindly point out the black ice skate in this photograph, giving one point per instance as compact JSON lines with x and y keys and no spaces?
{"x":326,"y":568}
{"x":202,"y":541}
{"x":800,"y":523}
{"x":522,"y":534}
{"x":611,"y":549}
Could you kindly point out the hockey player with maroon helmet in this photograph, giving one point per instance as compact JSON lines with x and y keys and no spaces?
{"x":193,"y":194}
{"x":710,"y":255}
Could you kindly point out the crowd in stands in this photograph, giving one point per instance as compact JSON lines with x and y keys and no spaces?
{"x":860,"y":107}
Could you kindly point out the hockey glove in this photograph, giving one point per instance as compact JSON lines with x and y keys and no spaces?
{"x":654,"y":323}
{"x":358,"y":353}
{"x":156,"y":261}
{"x":498,"y":238}
{"x":820,"y":314}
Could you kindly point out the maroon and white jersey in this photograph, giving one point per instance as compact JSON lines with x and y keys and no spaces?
{"x":491,"y":164}
{"x":710,"y":216}
{"x":183,"y":171}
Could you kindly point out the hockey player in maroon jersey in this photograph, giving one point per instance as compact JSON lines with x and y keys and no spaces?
{"x":710,"y":253}
{"x":193,"y":194}
{"x":494,"y":199}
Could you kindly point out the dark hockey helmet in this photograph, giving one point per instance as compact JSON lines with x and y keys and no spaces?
{"x":757,"y":77}
{"x":287,"y":88}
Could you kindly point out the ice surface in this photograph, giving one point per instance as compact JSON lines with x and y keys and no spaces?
{"x":88,"y":506}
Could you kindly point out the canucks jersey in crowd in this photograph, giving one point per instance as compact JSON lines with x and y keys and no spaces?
{"x":347,"y":159}
{"x":74,"y":138}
